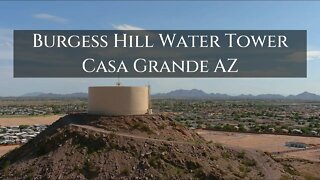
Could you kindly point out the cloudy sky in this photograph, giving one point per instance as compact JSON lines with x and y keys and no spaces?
{"x":161,"y":15}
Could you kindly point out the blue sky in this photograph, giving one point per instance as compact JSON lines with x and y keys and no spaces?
{"x":161,"y":15}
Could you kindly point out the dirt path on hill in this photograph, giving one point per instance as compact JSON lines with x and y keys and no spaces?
{"x":91,"y":128}
{"x":269,"y":168}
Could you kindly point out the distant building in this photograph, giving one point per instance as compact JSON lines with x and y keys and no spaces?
{"x":314,"y":132}
{"x":272,"y":130}
{"x":296,"y":144}
{"x":236,"y":128}
{"x":296,"y":131}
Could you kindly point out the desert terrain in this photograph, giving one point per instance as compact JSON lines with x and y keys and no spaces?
{"x":82,"y":146}
{"x":270,"y":143}
{"x":243,"y":134}
{"x":5,"y":149}
{"x":28,"y":120}
{"x":296,"y":161}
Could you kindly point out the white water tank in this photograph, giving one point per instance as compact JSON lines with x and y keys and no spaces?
{"x":118,"y":100}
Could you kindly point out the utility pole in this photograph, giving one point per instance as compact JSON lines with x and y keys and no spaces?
{"x":118,"y":82}
{"x":149,"y":99}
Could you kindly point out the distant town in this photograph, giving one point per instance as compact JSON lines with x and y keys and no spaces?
{"x":277,"y":117}
{"x":194,"y":108}
{"x":19,"y":134}
{"x":279,"y":127}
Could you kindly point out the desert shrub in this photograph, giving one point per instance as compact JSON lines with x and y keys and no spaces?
{"x":191,"y":165}
{"x":164,"y":148}
{"x":29,"y":173}
{"x":289,"y":169}
{"x":177,"y":170}
{"x":214,"y":158}
{"x":89,"y":170}
{"x":112,"y":135}
{"x":5,"y":167}
{"x":44,"y":148}
{"x":162,"y":126}
{"x":242,"y":168}
{"x":51,"y":143}
{"x":146,"y":128}
{"x":310,"y":178}
{"x":142,"y":127}
{"x":23,"y":126}
{"x":225,"y":155}
{"x":284,"y":177}
{"x":261,"y":174}
{"x":219,"y":145}
{"x":204,"y":154}
{"x":199,"y":174}
{"x":92,"y":144}
{"x":249,"y":162}
{"x":154,"y":161}
{"x":170,"y":139}
{"x":125,"y":172}
{"x":241,"y":155}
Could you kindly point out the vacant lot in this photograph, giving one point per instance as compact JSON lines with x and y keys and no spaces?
{"x":311,"y":155}
{"x":264,"y":142}
{"x":28,"y":120}
{"x":5,"y":149}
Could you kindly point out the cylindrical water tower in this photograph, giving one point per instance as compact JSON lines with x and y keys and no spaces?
{"x":118,"y":100}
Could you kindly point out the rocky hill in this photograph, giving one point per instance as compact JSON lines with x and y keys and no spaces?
{"x":81,"y":146}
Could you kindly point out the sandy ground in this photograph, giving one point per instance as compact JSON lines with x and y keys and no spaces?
{"x":263,"y":142}
{"x":5,"y":149}
{"x":311,"y":155}
{"x":15,"y":121}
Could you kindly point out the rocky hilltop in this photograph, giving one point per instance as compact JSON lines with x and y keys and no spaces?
{"x":81,"y":146}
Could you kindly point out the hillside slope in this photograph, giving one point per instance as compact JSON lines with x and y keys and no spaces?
{"x":82,"y":146}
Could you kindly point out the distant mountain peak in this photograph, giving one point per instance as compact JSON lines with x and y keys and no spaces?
{"x":306,"y":93}
{"x":53,"y":95}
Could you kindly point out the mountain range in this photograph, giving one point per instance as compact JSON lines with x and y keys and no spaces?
{"x":199,"y":94}
{"x":53,"y":95}
{"x":193,"y":94}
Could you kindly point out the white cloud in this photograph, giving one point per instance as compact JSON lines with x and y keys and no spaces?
{"x":6,"y":52}
{"x":313,"y":55}
{"x":6,"y":44}
{"x":49,"y":17}
{"x":126,"y":27}
{"x":5,"y":35}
